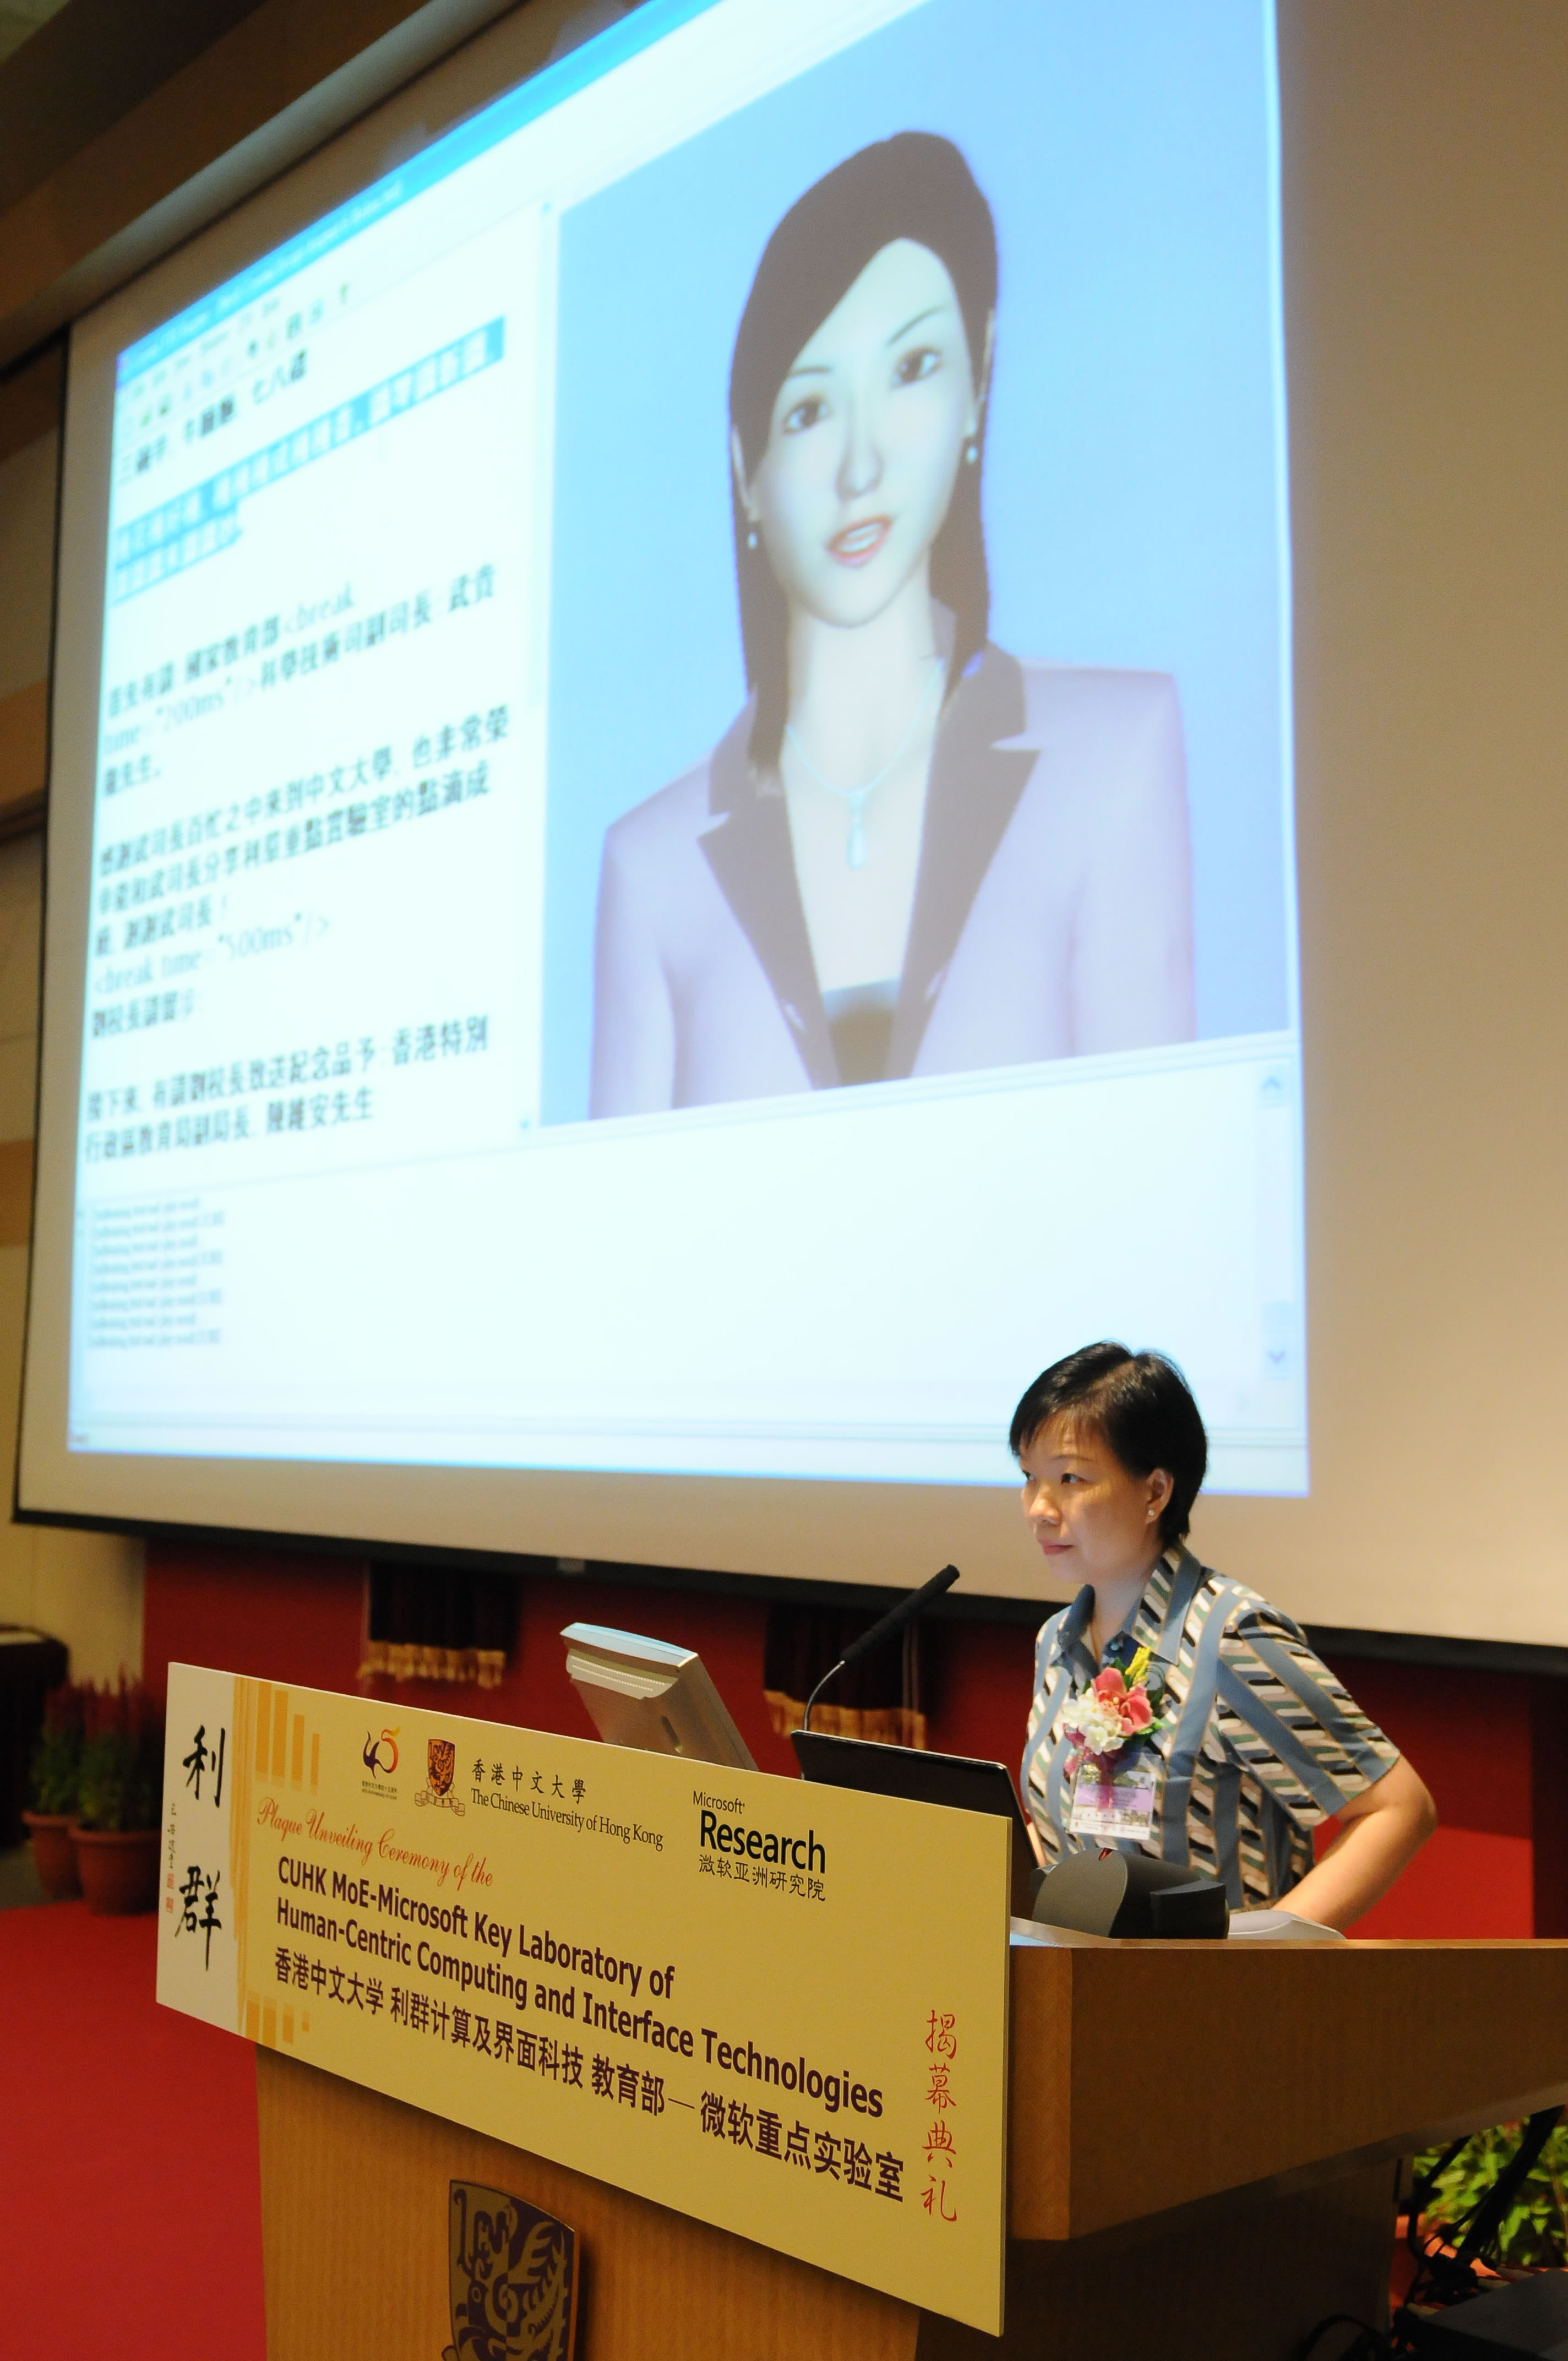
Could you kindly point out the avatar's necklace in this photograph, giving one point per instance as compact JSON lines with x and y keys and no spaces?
{"x":858,"y":797}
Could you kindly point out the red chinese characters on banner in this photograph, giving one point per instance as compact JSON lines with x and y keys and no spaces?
{"x":941,"y":2150}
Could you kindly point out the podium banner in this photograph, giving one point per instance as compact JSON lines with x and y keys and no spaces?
{"x":778,"y":2007}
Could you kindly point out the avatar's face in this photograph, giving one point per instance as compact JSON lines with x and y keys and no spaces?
{"x":866,"y":441}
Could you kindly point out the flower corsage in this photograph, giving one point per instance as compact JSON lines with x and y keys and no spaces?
{"x":1123,"y":1705}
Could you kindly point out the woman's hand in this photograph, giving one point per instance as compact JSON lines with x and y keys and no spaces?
{"x":1381,"y":1830}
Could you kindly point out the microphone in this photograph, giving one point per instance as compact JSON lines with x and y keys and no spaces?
{"x":893,"y":1621}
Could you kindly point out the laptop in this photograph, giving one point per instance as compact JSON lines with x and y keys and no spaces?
{"x":959,"y":1782}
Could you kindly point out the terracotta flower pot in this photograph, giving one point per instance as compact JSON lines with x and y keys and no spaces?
{"x":118,"y":1869}
{"x":54,"y":1854}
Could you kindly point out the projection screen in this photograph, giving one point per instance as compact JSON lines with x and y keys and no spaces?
{"x":670,"y":857}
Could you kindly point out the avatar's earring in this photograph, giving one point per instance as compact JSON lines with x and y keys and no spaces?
{"x":751,"y":538}
{"x":971,"y":452}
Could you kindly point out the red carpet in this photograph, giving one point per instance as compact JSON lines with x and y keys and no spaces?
{"x":130,"y":2206}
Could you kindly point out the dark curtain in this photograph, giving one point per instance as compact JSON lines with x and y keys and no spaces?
{"x":439,"y":1623}
{"x":880,"y":1698}
{"x":30,"y":1665}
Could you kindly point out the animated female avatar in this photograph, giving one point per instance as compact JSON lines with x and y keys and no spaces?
{"x":910,"y":854}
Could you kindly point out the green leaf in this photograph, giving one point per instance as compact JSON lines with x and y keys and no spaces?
{"x":1534,"y":2231}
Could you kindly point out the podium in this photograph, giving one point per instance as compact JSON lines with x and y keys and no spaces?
{"x":1203,"y":2150}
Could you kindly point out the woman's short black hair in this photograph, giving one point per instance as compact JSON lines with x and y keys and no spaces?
{"x":1141,"y":1404}
{"x":916,"y":186}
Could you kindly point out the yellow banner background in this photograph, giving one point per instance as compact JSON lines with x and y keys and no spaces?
{"x":779,"y":2007}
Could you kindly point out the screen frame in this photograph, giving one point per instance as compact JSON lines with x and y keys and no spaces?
{"x":1358,"y":1561}
{"x":862,"y":1535}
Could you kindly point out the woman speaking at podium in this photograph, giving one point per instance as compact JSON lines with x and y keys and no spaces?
{"x":1174,"y":1708}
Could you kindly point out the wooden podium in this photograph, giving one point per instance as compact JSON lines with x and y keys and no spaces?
{"x":1203,"y":2148}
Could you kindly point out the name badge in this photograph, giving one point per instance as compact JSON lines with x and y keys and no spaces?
{"x":1122,"y":1805}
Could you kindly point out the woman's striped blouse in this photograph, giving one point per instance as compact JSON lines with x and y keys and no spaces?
{"x":1261,"y":1741}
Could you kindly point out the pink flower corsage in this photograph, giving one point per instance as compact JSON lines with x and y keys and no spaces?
{"x":1111,"y":1713}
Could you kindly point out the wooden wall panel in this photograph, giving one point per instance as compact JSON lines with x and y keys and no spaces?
{"x":276,"y":85}
{"x":83,"y":70}
{"x":32,"y":400}
{"x":354,"y":2202}
{"x":16,"y":1191}
{"x":24,"y":744}
{"x":1247,"y":2280}
{"x":354,"y":2193}
{"x":1268,"y":2056}
{"x":31,"y":404}
{"x":1274,"y":2086}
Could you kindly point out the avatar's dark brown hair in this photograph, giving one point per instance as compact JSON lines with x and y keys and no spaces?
{"x":914,"y":186}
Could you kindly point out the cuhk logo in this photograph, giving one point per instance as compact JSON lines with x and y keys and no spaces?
{"x":441,"y":1761}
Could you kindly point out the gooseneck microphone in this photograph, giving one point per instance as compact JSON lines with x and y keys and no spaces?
{"x":893,"y":1621}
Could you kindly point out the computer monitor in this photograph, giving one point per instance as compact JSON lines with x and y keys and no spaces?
{"x":958,"y":1781}
{"x":647,"y":1694}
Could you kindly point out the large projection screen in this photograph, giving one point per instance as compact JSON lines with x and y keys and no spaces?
{"x":670,"y":857}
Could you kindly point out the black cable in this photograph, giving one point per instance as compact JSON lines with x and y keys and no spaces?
{"x":1370,"y":2345}
{"x":1487,"y":2218}
{"x":1444,"y":2279}
{"x":907,"y":1610}
{"x":1421,"y":2190}
{"x":1434,"y":2276}
{"x":832,"y":1674}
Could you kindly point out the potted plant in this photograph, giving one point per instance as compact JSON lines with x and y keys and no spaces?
{"x":52,"y":1777}
{"x":1533,"y":2233}
{"x":119,"y":1800}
